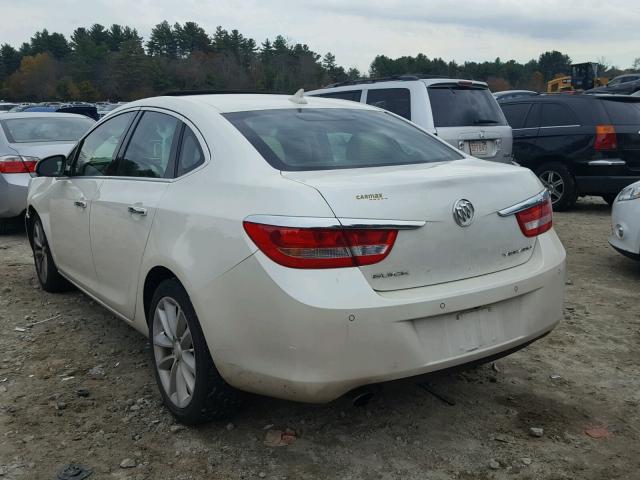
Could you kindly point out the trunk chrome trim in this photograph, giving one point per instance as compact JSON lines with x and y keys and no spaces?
{"x":606,"y":163}
{"x":541,"y":197}
{"x":328,"y":222}
{"x":381,"y":224}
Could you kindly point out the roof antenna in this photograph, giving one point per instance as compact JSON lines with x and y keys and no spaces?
{"x":298,"y":97}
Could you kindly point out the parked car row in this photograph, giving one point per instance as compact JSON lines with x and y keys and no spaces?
{"x":300,"y":247}
{"x":93,"y":110}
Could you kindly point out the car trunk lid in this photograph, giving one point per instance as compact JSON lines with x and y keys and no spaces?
{"x":442,"y":250}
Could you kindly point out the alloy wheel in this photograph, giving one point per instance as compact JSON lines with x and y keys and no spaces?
{"x":40,"y":251}
{"x":554,"y":183}
{"x":174,"y":352}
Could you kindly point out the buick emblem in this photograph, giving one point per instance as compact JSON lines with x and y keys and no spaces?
{"x":463,"y":212}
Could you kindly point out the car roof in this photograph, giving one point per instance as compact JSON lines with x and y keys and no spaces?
{"x":16,"y":115}
{"x":394,"y":83}
{"x":226,"y":103}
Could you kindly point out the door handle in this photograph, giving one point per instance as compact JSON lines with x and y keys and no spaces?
{"x":80,"y":203}
{"x":137,"y":210}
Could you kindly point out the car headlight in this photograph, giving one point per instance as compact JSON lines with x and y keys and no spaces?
{"x":629,"y":193}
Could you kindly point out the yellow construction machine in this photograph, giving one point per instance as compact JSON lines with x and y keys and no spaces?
{"x":584,"y":76}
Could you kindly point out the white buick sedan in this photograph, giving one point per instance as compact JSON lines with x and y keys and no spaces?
{"x":294,"y":247}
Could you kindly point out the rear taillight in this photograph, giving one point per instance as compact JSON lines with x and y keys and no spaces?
{"x":537,"y":219}
{"x":17,"y":164}
{"x":321,"y":247}
{"x":606,"y":138}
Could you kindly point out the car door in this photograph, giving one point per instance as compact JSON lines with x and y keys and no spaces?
{"x":523,"y":120}
{"x":561,"y":135}
{"x":72,"y":197}
{"x":123,"y":212}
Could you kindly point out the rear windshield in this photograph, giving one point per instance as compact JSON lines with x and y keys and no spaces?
{"x":328,"y":138}
{"x":457,"y":106}
{"x":623,"y":113}
{"x":45,"y":129}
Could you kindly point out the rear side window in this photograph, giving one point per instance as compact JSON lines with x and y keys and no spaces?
{"x":396,"y":100}
{"x":623,"y":113}
{"x":556,"y":115}
{"x":332,"y":138}
{"x":516,"y":113}
{"x":151,"y":147}
{"x":191,"y":155}
{"x":353,"y":95}
{"x":458,"y":106}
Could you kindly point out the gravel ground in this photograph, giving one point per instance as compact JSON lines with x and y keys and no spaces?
{"x":584,"y":377}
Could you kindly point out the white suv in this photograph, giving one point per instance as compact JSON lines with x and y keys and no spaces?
{"x":461,"y":112}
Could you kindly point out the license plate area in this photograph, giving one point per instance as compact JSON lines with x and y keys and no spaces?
{"x":464,"y":332}
{"x":473,"y":329}
{"x":479,"y":147}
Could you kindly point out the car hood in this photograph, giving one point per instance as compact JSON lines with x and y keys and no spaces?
{"x":42,"y":150}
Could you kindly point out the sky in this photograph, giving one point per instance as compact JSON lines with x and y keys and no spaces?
{"x":358,"y":30}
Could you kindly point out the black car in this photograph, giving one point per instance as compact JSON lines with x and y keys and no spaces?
{"x":622,"y":85}
{"x":577,"y":144}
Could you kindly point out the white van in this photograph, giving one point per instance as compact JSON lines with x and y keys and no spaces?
{"x":462,"y":112}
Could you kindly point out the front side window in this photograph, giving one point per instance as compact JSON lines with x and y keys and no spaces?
{"x":151,"y":147}
{"x":99,"y":148}
{"x":556,"y":115}
{"x":353,"y":95}
{"x":45,"y":129}
{"x":460,"y":106}
{"x":396,"y":100}
{"x":332,"y":138}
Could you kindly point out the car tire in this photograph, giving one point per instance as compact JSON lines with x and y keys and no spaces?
{"x":3,"y":227}
{"x":610,"y":198}
{"x":46,"y":270}
{"x":560,"y":183}
{"x":191,"y":386}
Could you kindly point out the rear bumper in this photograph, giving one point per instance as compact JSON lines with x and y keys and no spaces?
{"x":314,"y":335}
{"x":603,"y":184}
{"x":13,"y":194}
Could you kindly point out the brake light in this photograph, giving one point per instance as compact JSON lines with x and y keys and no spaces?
{"x":537,"y":219}
{"x":321,"y":247}
{"x":17,"y":164}
{"x":606,"y":138}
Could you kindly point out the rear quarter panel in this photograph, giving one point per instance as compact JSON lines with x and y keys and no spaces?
{"x":198,"y":233}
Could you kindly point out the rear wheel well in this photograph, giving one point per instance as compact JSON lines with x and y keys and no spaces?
{"x":31,"y":214}
{"x":155,"y":277}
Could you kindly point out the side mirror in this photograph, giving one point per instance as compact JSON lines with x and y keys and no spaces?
{"x":52,"y":166}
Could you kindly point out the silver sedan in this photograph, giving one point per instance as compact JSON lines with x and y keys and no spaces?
{"x":24,"y":139}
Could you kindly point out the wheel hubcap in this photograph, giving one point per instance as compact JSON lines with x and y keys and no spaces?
{"x":40,"y":251}
{"x":173,"y":352}
{"x":554,"y":183}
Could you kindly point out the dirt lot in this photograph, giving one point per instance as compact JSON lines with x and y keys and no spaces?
{"x":585,"y":374}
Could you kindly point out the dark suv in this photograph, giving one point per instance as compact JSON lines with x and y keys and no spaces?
{"x":577,"y":144}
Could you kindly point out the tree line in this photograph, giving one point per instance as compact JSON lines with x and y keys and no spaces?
{"x":116,"y":63}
